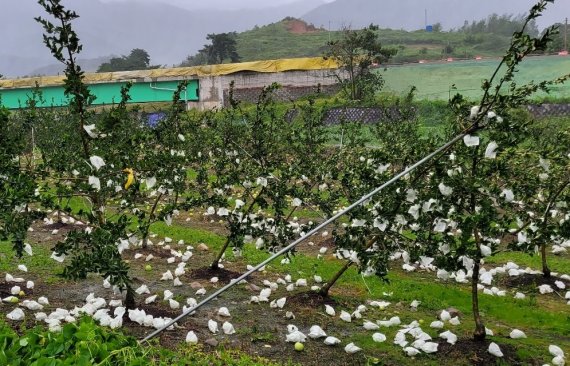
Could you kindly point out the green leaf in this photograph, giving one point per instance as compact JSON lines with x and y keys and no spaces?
{"x":69,"y":330}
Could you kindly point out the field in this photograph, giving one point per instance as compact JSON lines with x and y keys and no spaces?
{"x":261,"y":330}
{"x":229,"y":187}
{"x":412,"y":295}
{"x":434,"y":81}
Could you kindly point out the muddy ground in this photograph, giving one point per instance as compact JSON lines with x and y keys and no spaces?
{"x":261,"y":330}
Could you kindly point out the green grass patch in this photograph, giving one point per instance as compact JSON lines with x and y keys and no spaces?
{"x":559,"y":264}
{"x":439,"y":81}
{"x":39,"y":263}
{"x":188,"y":234}
{"x":543,"y":325}
{"x":434,"y":295}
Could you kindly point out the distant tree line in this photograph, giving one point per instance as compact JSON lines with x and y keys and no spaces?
{"x":503,"y":25}
{"x":222,"y":48}
{"x":138,"y":59}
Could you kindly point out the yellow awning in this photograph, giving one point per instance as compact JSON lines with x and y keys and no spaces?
{"x":314,"y":63}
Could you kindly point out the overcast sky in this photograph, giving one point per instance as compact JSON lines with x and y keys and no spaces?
{"x":170,"y":35}
{"x":222,"y":4}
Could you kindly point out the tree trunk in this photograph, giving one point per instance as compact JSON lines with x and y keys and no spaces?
{"x":151,"y":217}
{"x":552,"y":200}
{"x":130,"y":303}
{"x":144,"y":230}
{"x":326,"y":288}
{"x":480,"y":333}
{"x":145,"y":242}
{"x":545,"y":269}
{"x":216,"y":263}
{"x":59,"y":210}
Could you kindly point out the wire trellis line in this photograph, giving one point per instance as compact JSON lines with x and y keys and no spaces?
{"x":312,"y":232}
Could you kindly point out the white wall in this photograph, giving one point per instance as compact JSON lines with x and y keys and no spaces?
{"x":212,"y":87}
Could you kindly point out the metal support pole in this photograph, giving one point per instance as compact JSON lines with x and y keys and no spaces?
{"x":312,"y":232}
{"x":566,"y":35}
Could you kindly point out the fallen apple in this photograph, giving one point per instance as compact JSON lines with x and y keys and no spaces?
{"x":299,"y":346}
{"x":148,"y":267}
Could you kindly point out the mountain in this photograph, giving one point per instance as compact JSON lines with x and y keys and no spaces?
{"x":410,"y":14}
{"x":167,"y":32}
{"x":87,"y":65}
{"x":293,"y":37}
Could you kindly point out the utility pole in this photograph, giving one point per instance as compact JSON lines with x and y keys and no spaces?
{"x":566,"y":35}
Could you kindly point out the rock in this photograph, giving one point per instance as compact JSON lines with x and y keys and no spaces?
{"x":203,"y":247}
{"x":196,"y":285}
{"x":253,"y":288}
{"x":212,"y":342}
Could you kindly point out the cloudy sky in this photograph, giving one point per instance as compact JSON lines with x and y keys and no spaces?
{"x":170,"y":35}
{"x":222,"y":4}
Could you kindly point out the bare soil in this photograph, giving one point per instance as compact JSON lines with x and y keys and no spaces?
{"x":5,"y":290}
{"x":43,"y":233}
{"x":533,"y":281}
{"x":298,"y":26}
{"x":477,"y":353}
{"x":206,"y":273}
{"x":310,"y":299}
{"x":261,"y":331}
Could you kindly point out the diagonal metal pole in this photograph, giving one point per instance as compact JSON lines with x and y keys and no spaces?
{"x":312,"y":232}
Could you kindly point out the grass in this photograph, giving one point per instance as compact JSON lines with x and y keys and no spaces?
{"x":559,"y":264}
{"x":408,"y":287}
{"x":39,"y":263}
{"x":189,"y":235}
{"x":502,"y":314}
{"x":544,"y":319}
{"x":437,"y":81}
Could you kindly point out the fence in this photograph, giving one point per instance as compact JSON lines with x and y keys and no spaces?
{"x":371,"y":115}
